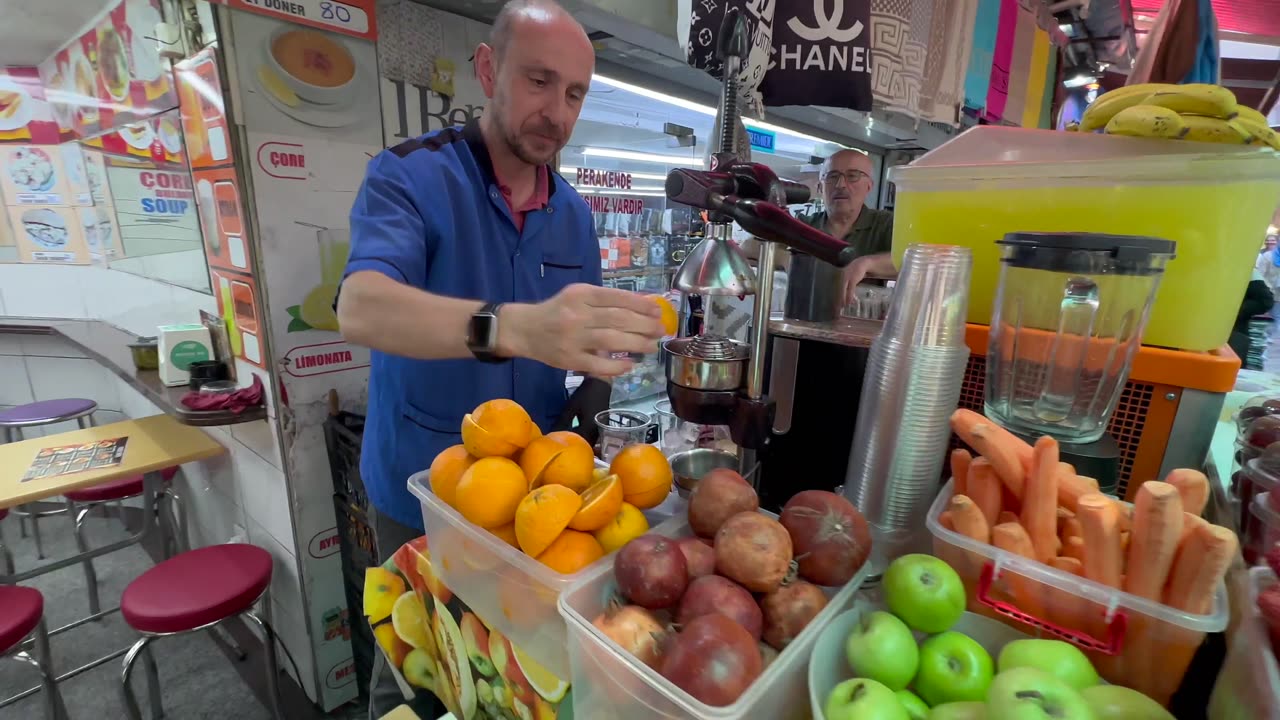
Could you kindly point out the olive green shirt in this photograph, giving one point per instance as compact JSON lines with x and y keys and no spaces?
{"x":871,"y":234}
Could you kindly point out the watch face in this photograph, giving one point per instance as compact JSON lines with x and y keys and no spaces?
{"x":484,"y":331}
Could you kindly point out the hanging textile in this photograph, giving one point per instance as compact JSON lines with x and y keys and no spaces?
{"x":1169,"y":51}
{"x":1002,"y":60}
{"x":1037,"y":79}
{"x":977,"y":79}
{"x":1020,"y":66}
{"x":919,"y":48}
{"x":1050,"y":88}
{"x":699,"y":26}
{"x":1206,"y":67}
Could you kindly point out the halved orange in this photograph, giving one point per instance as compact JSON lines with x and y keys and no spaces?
{"x":481,"y":443}
{"x":507,"y":533}
{"x":600,"y":503}
{"x":670,"y":319}
{"x":506,"y":420}
{"x":571,"y":468}
{"x":447,"y":469}
{"x":542,"y":451}
{"x":542,"y":515}
{"x":490,"y":492}
{"x":571,"y":552}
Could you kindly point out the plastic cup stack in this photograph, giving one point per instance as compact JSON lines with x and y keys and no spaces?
{"x":912,"y":384}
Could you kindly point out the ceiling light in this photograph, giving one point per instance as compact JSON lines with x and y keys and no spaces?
{"x":1079,"y":80}
{"x":634,"y":175}
{"x":680,"y":160}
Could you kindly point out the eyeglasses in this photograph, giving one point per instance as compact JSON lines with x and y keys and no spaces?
{"x":850,"y":177}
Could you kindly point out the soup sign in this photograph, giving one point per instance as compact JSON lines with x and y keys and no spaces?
{"x":353,"y":17}
{"x":171,"y":193}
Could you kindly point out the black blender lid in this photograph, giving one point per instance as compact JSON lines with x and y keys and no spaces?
{"x":1125,"y":248}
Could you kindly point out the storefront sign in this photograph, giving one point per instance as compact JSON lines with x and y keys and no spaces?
{"x":762,"y":140}
{"x":604,"y":178}
{"x":355,"y":17}
{"x":324,"y":358}
{"x":285,"y":161}
{"x":612,"y":204}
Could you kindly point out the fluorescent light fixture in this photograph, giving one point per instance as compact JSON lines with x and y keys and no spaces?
{"x":1067,"y":28}
{"x":703,"y":109}
{"x":634,"y":175}
{"x":1079,"y":80}
{"x":645,"y":193}
{"x":678,"y":160}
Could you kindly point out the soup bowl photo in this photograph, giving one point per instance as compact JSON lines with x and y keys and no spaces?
{"x":316,"y":66}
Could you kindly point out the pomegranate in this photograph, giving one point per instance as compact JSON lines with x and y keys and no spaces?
{"x":699,"y":556}
{"x":754,"y":551}
{"x":789,"y":609}
{"x":725,"y":472}
{"x":1262,"y":432}
{"x":830,"y":538}
{"x":718,"y":497}
{"x":651,"y":572}
{"x":714,"y":594}
{"x":713,"y":659}
{"x":635,"y":629}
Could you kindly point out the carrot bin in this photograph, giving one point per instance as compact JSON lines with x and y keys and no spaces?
{"x":1132,"y":641}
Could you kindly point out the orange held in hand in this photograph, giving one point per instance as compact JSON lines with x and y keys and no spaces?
{"x":489,"y":492}
{"x":645,"y":474}
{"x":542,"y":515}
{"x":571,"y":552}
{"x":447,"y":470}
{"x":670,"y":319}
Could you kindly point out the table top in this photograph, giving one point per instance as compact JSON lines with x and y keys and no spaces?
{"x":155,"y":443}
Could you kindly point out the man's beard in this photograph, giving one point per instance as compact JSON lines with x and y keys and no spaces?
{"x":526,"y":154}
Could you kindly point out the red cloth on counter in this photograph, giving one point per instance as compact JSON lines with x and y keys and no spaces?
{"x":237,"y":402}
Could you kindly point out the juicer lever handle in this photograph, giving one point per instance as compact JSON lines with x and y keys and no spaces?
{"x":770,"y":222}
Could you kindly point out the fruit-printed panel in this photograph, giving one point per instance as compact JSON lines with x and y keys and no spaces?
{"x":437,"y":645}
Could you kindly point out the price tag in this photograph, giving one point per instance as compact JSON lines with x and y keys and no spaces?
{"x":348,"y":18}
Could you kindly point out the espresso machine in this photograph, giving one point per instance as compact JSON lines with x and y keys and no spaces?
{"x":711,"y":379}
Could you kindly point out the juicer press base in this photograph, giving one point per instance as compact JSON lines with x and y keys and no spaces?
{"x":750,"y":421}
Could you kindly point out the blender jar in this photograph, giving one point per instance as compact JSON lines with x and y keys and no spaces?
{"x":1068,"y":319}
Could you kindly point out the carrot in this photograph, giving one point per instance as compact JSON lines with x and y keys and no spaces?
{"x":1157,"y":525}
{"x":1013,"y":539}
{"x":968,"y":518}
{"x":1068,"y":564}
{"x":1063,"y":515}
{"x":1066,"y":468}
{"x":1201,"y":564}
{"x":1072,"y":528}
{"x":1193,"y":486}
{"x":1189,"y":524}
{"x":1072,"y":486}
{"x":1099,"y":523}
{"x":1126,"y":515}
{"x":1124,"y":543}
{"x":986,"y":490}
{"x":1073,"y":547}
{"x":960,"y":463}
{"x":1006,"y":452}
{"x":944,"y":519}
{"x":1006,"y":517}
{"x":1040,"y":500}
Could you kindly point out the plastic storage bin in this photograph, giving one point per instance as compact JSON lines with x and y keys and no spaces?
{"x":1248,"y":686}
{"x":510,"y":590}
{"x":1261,"y":529}
{"x":1257,"y":477}
{"x":829,"y":666}
{"x":609,"y":684}
{"x":1210,"y":199}
{"x":1132,"y":641}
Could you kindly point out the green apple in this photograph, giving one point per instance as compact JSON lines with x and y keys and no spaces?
{"x":1060,"y":659}
{"x":881,"y":647}
{"x":916,"y":708}
{"x":863,"y":699}
{"x":1030,"y":694}
{"x":953,"y":667}
{"x":959,"y":711}
{"x":925,"y":592}
{"x":1115,"y":702}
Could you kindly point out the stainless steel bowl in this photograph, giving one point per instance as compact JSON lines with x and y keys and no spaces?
{"x":705,"y":363}
{"x":689,"y":466}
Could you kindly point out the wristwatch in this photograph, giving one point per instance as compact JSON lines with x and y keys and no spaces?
{"x":482,"y":334}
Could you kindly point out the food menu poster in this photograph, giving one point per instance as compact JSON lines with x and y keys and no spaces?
{"x":54,"y":234}
{"x":33,"y":175}
{"x":353,"y":17}
{"x":157,"y":139}
{"x":111,"y":75}
{"x":25,"y":115}
{"x":54,"y":462}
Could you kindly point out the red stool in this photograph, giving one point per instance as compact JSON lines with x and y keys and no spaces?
{"x":194,"y":591}
{"x":173,"y":531}
{"x":23,"y":618}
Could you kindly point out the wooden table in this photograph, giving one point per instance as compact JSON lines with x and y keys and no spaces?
{"x":155,"y":443}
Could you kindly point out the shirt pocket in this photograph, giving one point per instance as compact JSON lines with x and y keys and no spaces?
{"x":430,"y":422}
{"x":559,"y":270}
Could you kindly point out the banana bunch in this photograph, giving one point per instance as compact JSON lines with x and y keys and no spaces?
{"x":1199,"y":113}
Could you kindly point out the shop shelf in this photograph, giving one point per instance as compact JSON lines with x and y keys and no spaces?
{"x":829,"y":667}
{"x":1248,"y":686}
{"x":610,"y":684}
{"x":510,"y":590}
{"x":1131,"y":640}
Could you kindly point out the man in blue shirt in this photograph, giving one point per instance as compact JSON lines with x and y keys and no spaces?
{"x":474,"y":270}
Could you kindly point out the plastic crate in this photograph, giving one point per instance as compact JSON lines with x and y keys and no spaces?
{"x":513,"y":592}
{"x":1131,"y":640}
{"x":1248,"y":686}
{"x":829,"y":665}
{"x":343,"y":435}
{"x":610,"y":684}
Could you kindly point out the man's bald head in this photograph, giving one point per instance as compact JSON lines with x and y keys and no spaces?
{"x":536,"y":70}
{"x":846,"y":181}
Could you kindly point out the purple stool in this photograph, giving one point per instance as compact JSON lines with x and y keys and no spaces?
{"x":44,"y":412}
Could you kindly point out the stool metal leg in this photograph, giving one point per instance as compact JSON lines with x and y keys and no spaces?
{"x":53,"y":705}
{"x":90,"y":575}
{"x":263,"y":619}
{"x":5,"y":556}
{"x":131,"y":708}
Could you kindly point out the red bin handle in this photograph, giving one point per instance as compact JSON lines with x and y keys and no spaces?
{"x":1111,"y":645}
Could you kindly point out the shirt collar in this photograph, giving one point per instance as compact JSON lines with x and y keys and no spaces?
{"x":480,"y":150}
{"x":538,"y":199}
{"x":819,"y":221}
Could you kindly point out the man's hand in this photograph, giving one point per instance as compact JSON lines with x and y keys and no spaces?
{"x":579,"y":327}
{"x":879,"y":266}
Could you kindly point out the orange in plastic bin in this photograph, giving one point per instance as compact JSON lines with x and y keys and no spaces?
{"x":1132,"y":641}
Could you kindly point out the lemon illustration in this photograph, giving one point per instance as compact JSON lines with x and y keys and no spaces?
{"x":409,"y":618}
{"x":317,"y":308}
{"x":276,"y":86}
